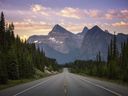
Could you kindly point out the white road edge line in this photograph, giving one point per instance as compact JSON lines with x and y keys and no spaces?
{"x":113,"y":92}
{"x":32,"y":87}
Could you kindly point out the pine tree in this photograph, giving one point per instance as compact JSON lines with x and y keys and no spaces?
{"x":3,"y":69}
{"x":124,"y":61}
{"x":13,"y":67}
{"x":19,"y":59}
{"x":2,"y":30}
{"x":113,"y":58}
{"x":115,"y":50}
{"x":99,"y":64}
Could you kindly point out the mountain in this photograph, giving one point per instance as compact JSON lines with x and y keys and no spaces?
{"x":98,"y":40}
{"x":60,"y":57}
{"x":59,"y":31}
{"x":65,"y":47}
{"x":85,"y":30}
{"x":94,"y":41}
{"x":60,"y":44}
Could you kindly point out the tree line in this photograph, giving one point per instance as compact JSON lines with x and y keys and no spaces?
{"x":19,"y":59}
{"x":116,"y":66}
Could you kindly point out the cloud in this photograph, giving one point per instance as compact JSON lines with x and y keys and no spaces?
{"x":37,"y":8}
{"x":39,"y":19}
{"x":124,"y":13}
{"x":111,"y":14}
{"x":120,"y":24}
{"x":108,"y":16}
{"x":30,"y":25}
{"x":77,"y":13}
{"x":93,"y":13}
{"x":72,"y":13}
{"x":28,"y":29}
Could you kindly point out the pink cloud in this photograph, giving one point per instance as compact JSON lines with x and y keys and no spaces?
{"x":123,"y":14}
{"x":94,"y":13}
{"x":38,"y":8}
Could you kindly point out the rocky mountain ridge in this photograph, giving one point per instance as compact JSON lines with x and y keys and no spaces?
{"x":66,"y":47}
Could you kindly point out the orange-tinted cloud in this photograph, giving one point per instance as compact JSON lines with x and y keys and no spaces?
{"x":71,"y":13}
{"x":77,"y":13}
{"x":37,"y":8}
{"x":30,"y":27}
{"x":120,"y":24}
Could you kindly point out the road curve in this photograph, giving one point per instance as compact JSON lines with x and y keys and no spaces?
{"x":66,"y":84}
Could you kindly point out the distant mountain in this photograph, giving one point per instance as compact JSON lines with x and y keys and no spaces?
{"x":65,"y":47}
{"x":60,"y":44}
{"x":85,"y":30}
{"x":60,"y":57}
{"x":98,"y":40}
{"x":94,"y":41}
{"x":59,"y":30}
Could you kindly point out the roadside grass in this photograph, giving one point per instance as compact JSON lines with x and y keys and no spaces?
{"x":37,"y":76}
{"x":14,"y":82}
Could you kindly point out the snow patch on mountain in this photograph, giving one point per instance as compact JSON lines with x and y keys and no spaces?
{"x":66,"y":47}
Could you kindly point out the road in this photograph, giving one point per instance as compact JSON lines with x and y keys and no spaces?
{"x":66,"y":84}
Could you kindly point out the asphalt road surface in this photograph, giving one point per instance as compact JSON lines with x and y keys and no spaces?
{"x":66,"y":84}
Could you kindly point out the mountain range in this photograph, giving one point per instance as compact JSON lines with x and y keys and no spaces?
{"x":65,"y":46}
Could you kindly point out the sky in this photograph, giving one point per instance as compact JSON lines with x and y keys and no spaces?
{"x":38,"y":17}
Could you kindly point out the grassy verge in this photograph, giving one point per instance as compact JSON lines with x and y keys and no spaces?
{"x":12,"y":83}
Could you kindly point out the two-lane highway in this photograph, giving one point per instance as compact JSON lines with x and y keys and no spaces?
{"x":66,"y":84}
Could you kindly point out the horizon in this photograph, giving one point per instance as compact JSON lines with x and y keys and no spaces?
{"x":38,"y":17}
{"x":83,"y":28}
